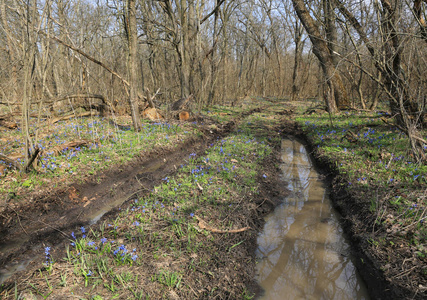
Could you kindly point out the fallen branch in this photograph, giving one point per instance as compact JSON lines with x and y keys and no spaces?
{"x":84,"y":114}
{"x":150,"y":99}
{"x":350,"y":136}
{"x":10,"y":161}
{"x":69,"y":145}
{"x":204,"y":225}
{"x":420,"y":139}
{"x":417,"y":146}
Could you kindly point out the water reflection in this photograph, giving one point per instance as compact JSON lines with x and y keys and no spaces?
{"x":302,"y":252}
{"x":10,"y":269}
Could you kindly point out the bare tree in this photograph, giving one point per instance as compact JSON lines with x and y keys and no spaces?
{"x":335,"y":94}
{"x":132,"y":36}
{"x":388,"y":56}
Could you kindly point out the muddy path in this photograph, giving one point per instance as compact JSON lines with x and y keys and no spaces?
{"x":50,"y":219}
{"x":354,"y":217}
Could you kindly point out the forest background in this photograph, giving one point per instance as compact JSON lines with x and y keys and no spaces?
{"x":59,"y":55}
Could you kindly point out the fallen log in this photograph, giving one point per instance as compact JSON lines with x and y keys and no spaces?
{"x":99,"y":107}
{"x":184,"y":116}
{"x":152,"y":114}
{"x":67,"y":117}
{"x":70,"y":145}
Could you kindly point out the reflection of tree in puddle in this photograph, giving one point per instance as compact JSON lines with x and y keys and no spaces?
{"x":303,"y":257}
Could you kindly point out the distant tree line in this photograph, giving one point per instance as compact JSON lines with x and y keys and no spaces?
{"x":351,"y":54}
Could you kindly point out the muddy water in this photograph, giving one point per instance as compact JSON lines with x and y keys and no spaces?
{"x":302,"y":251}
{"x":10,"y":269}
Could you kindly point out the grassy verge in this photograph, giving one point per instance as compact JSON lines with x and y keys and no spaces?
{"x":106,"y":145}
{"x":377,"y":170}
{"x":188,"y":238}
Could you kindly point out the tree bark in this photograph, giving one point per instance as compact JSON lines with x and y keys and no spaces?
{"x":297,"y":58}
{"x":335,"y":94}
{"x":133,"y":64}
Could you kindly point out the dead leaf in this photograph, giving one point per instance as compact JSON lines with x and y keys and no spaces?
{"x":72,"y":194}
{"x":2,"y":170}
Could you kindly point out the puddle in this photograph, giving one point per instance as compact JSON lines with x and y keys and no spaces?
{"x":302,"y":252}
{"x":94,"y":216}
{"x":10,"y":269}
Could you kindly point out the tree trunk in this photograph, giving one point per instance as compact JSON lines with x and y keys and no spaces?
{"x":133,"y":64}
{"x":214,"y":66}
{"x":401,"y":104}
{"x":298,"y":55}
{"x":335,"y":95}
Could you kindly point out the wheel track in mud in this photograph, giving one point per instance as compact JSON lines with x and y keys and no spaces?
{"x":34,"y":230}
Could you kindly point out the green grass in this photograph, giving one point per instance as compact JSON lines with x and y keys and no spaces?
{"x":377,"y":166}
{"x":108,"y":146}
{"x":156,"y":245}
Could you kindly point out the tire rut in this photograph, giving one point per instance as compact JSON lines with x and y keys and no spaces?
{"x":21,"y":247}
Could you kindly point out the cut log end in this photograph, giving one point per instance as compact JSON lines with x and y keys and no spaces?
{"x":8,"y":124}
{"x":184,"y":116}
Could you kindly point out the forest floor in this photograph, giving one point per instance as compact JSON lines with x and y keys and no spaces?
{"x":174,"y":210}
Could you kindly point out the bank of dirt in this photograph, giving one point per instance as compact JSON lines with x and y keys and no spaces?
{"x":380,"y":271}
